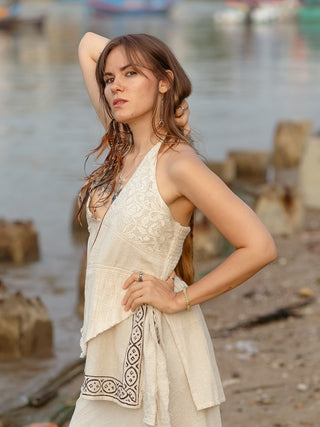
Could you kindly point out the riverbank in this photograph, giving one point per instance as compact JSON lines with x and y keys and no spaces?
{"x":270,"y":370}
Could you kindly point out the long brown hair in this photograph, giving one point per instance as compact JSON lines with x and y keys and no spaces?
{"x":151,"y":53}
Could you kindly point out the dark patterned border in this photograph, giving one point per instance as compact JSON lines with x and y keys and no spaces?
{"x":125,"y":391}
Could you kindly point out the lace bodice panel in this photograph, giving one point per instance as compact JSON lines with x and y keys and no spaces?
{"x":139,"y":224}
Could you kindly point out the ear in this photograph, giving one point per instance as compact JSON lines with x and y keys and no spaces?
{"x":165,"y":84}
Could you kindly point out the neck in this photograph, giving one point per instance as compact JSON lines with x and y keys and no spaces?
{"x":144,"y":137}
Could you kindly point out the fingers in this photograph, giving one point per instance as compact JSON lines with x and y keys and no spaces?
{"x":131,"y":279}
{"x":150,"y":290}
{"x":182,"y":109}
{"x":170,"y":280}
{"x":172,"y":275}
{"x":134,"y":285}
{"x":133,"y":298}
{"x":182,"y":114}
{"x":186,"y":129}
{"x":137,"y":276}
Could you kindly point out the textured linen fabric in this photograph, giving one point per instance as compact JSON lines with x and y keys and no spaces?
{"x":149,"y":367}
{"x":181,"y":410}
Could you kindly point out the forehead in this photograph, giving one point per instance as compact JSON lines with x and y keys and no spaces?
{"x":118,"y":58}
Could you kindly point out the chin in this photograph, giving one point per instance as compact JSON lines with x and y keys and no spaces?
{"x":121,"y":118}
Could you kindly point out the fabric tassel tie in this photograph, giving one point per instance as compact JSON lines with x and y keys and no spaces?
{"x":155,"y":379}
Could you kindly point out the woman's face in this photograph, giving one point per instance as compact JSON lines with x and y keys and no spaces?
{"x":129,"y":90}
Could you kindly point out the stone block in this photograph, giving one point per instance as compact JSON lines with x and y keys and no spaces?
{"x":281,"y":210}
{"x":289,"y":142}
{"x":225,"y":170}
{"x":309,"y":174}
{"x":250,"y":165}
{"x":25,"y":327}
{"x":207,"y":241}
{"x":18,"y":241}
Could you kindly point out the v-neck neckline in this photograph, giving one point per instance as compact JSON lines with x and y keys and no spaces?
{"x":101,"y":219}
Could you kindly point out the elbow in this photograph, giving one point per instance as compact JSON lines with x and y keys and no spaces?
{"x":86,"y":36}
{"x":269,"y":252}
{"x":84,"y":41}
{"x":82,"y":44}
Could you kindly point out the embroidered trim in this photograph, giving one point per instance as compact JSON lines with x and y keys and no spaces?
{"x":125,"y":391}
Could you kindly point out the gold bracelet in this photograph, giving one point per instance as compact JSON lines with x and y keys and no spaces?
{"x":187,"y":299}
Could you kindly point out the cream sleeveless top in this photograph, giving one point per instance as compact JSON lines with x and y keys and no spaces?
{"x":138,"y":233}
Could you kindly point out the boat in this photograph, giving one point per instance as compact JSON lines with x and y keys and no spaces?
{"x":9,"y":11}
{"x":131,"y":6}
{"x":11,"y":18}
{"x":309,"y":12}
{"x":256,"y":11}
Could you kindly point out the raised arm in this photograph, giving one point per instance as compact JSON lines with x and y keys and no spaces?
{"x":90,"y":48}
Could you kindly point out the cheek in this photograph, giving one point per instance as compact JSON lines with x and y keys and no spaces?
{"x":107,"y":96}
{"x":106,"y":93}
{"x":150,"y":93}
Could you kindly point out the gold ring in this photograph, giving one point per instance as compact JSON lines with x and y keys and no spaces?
{"x":183,"y":110}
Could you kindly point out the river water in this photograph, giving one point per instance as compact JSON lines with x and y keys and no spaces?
{"x":244,"y":80}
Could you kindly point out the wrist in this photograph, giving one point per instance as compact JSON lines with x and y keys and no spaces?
{"x":180,"y":302}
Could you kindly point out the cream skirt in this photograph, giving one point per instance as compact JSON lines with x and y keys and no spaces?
{"x":93,"y":411}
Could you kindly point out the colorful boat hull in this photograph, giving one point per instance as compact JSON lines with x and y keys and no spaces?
{"x":309,"y":12}
{"x":131,"y":6}
{"x":8,"y":10}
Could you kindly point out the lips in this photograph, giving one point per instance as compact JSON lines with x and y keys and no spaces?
{"x":119,"y":102}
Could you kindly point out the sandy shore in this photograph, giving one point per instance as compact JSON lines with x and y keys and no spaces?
{"x":270,"y":372}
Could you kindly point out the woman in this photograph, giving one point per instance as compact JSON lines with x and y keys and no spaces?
{"x":150,"y":360}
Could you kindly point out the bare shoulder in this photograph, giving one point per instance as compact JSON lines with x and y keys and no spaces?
{"x":180,"y":156}
{"x":183,"y":163}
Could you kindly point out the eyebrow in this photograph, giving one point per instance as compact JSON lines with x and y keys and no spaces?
{"x":107,"y":73}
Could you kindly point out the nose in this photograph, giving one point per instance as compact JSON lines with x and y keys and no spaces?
{"x":116,"y":86}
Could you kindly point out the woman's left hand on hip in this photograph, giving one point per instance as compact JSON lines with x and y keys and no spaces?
{"x":146,"y":289}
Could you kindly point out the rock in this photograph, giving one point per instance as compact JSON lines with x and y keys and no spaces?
{"x":230,"y":381}
{"x":280,"y":210}
{"x":288,"y":178}
{"x":306,"y":292}
{"x":207,"y":241}
{"x":250,"y":165}
{"x":289,"y":142}
{"x":81,"y":284}
{"x":282,"y":261}
{"x":18,"y":242}
{"x":264,"y":399}
{"x":309,"y":174}
{"x":302,"y":387}
{"x":225,"y":170}
{"x":25,"y":327}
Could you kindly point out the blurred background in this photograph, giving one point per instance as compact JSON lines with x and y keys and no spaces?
{"x":248,"y":73}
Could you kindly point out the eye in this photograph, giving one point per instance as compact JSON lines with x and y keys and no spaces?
{"x":130,"y":73}
{"x":108,"y":80}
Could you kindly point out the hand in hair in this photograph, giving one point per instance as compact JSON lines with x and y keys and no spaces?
{"x":182,"y":114}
